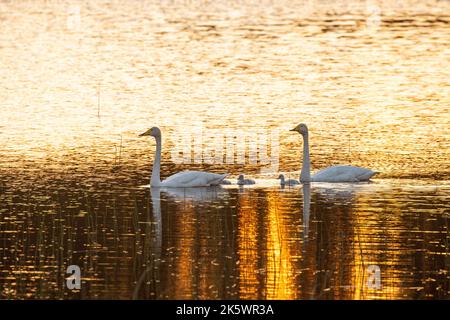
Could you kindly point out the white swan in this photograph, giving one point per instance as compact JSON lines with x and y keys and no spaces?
{"x":330,"y":174}
{"x":288,"y":182}
{"x":185,"y":179}
{"x":241,"y":181}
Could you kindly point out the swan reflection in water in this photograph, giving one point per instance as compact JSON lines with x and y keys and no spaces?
{"x":330,"y":195}
{"x":306,"y":209}
{"x":181,"y":197}
{"x":155,"y":240}
{"x":333,"y":254}
{"x":199,"y":243}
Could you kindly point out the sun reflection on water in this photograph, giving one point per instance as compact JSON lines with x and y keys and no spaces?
{"x":75,"y":93}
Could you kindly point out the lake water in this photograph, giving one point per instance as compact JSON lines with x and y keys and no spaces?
{"x":80,"y":80}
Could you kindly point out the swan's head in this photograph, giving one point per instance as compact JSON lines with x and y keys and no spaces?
{"x":241,"y":177}
{"x":154,"y":132}
{"x":301,"y":128}
{"x":280,"y":176}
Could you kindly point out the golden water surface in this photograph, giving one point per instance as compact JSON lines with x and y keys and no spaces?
{"x":79,"y":80}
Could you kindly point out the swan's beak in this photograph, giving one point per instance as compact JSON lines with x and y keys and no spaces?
{"x":146,"y":133}
{"x":293,"y":130}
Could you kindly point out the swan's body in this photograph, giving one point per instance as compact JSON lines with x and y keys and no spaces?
{"x":330,"y":174}
{"x":288,"y":182}
{"x":241,"y":181}
{"x":189,"y":179}
{"x":343,"y":174}
{"x":184,"y":179}
{"x":225,"y":182}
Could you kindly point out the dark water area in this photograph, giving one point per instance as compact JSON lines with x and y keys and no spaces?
{"x":305,"y":242}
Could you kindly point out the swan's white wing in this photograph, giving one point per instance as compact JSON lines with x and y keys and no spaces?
{"x":343,"y":174}
{"x":186,"y":179}
{"x":182,"y":177}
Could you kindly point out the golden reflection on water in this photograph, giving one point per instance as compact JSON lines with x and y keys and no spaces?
{"x":249,"y":243}
{"x":376,"y":97}
{"x":228,"y":243}
{"x":183,"y":285}
{"x":280,"y":272}
{"x":76,"y":91}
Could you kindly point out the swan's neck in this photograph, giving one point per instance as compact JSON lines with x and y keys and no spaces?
{"x":305,"y":175}
{"x":155,"y":179}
